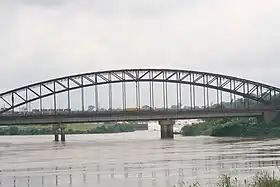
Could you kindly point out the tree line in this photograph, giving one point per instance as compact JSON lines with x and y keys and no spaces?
{"x":241,"y":127}
{"x":25,"y":130}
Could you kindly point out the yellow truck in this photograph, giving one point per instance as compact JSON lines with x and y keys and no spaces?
{"x":134,"y":109}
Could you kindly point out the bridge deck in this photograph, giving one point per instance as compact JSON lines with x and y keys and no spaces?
{"x":110,"y":116}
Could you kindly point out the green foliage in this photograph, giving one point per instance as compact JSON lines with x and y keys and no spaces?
{"x":13,"y":131}
{"x":262,"y":179}
{"x":226,"y":181}
{"x":183,"y":184}
{"x":72,"y":129}
{"x":112,"y":129}
{"x":239,"y":127}
{"x":265,"y":180}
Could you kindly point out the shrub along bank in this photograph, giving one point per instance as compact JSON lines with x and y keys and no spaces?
{"x":239,"y":127}
{"x":261,"y":179}
{"x":70,"y":129}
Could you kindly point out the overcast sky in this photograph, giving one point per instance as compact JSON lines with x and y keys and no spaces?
{"x":43,"y":39}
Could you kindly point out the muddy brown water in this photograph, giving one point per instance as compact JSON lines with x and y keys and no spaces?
{"x":131,"y":159}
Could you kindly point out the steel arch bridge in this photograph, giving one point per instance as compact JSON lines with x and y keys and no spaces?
{"x":247,"y":89}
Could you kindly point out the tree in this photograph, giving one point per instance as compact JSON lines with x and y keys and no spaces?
{"x":13,"y":131}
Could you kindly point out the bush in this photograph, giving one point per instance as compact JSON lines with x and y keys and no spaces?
{"x":44,"y":130}
{"x":239,"y":127}
{"x":262,"y":179}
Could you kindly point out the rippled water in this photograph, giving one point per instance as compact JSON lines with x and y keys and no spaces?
{"x":130,"y":159}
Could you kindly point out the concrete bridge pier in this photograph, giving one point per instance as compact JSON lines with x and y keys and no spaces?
{"x":55,"y":129}
{"x":267,"y":116}
{"x":59,"y":129}
{"x":62,"y":132}
{"x":166,"y":129}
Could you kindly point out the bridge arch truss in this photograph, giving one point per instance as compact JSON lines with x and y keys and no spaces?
{"x":251,"y":90}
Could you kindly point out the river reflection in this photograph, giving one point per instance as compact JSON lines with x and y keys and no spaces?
{"x":131,"y":159}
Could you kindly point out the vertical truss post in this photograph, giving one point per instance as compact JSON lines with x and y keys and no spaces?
{"x":191,"y":101}
{"x":217,"y":81}
{"x":138,"y":97}
{"x":82,"y":94}
{"x":151,"y":85}
{"x":207,"y":93}
{"x":26,"y":98}
{"x":13,"y":102}
{"x":234,"y":95}
{"x":123,"y":92}
{"x":163,"y":90}
{"x":204,"y":93}
{"x":231,"y":100}
{"x":257,"y":95}
{"x":274,"y":97}
{"x":270,"y":96}
{"x":180,"y":92}
{"x":96,"y":94}
{"x":177,"y":90}
{"x":68,"y":95}
{"x":248,"y":100}
{"x":150,"y":89}
{"x":41,"y":104}
{"x":261,"y":94}
{"x":193,"y":93}
{"x":166,"y":91}
{"x":93,"y":96}
{"x":244,"y":101}
{"x":110,"y":92}
{"x":54,"y":97}
{"x":221,"y":93}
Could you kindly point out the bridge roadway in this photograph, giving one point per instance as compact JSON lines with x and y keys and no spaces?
{"x":147,"y":115}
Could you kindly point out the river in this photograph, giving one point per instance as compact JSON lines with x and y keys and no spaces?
{"x":130,"y":159}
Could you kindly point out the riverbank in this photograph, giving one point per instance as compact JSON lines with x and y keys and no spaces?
{"x":236,"y":127}
{"x":262,"y":179}
{"x":70,"y":129}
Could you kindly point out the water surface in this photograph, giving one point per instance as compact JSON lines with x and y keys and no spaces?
{"x":131,"y":159}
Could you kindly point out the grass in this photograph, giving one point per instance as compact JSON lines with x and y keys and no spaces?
{"x":262,"y":179}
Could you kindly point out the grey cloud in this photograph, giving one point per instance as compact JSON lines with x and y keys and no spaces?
{"x":42,"y":2}
{"x":45,"y":39}
{"x":122,"y":8}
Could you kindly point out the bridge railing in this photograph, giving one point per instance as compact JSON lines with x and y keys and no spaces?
{"x":139,"y":112}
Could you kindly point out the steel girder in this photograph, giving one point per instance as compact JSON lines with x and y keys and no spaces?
{"x":262,"y":93}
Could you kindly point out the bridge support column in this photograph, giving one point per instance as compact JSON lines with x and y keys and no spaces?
{"x":59,"y":128}
{"x":62,"y":132}
{"x":55,"y":129}
{"x":166,"y":129}
{"x":269,"y":116}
